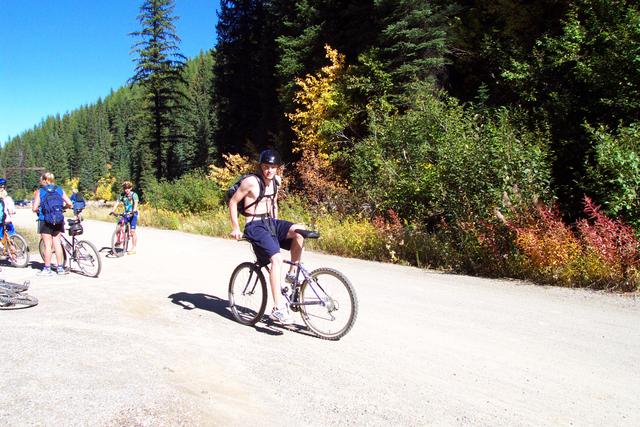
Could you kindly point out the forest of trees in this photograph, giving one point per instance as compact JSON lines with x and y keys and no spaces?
{"x":434,"y":110}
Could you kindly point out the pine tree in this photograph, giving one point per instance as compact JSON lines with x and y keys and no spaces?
{"x":245,"y":87}
{"x":414,"y":42}
{"x":158,"y":71}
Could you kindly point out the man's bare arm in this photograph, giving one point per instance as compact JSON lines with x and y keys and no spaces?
{"x":246,"y":187}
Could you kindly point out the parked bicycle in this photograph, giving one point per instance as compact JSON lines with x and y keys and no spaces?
{"x":324,"y":297}
{"x":82,"y":252}
{"x":14,"y":294}
{"x":15,"y":249}
{"x":121,"y":235}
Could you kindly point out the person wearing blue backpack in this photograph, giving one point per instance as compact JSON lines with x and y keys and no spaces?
{"x":49,"y":203}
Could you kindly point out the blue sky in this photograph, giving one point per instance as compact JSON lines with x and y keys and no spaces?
{"x":57,"y":55}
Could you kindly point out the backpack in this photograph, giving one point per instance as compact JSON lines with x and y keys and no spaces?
{"x":79,"y":203}
{"x":232,"y":190}
{"x":52,"y":205}
{"x":2,"y":215}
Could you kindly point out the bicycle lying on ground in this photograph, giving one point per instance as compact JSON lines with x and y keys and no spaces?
{"x":324,"y":297}
{"x":12,"y":294}
{"x":82,"y":252}
{"x":122,"y":234}
{"x":15,"y":249}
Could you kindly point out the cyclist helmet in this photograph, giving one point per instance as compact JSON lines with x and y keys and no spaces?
{"x":270,"y":157}
{"x":3,"y":182}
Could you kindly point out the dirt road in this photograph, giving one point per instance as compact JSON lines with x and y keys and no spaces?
{"x":150,"y":342}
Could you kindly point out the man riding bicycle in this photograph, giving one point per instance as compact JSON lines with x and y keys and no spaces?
{"x":130,"y":202}
{"x":263,"y":229}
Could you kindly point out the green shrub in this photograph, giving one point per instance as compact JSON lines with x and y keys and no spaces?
{"x":615,"y":173}
{"x":192,"y":193}
{"x":441,"y":159}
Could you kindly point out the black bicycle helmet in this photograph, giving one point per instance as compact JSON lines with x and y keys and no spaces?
{"x":270,"y":157}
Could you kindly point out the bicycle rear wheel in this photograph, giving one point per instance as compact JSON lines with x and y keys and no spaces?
{"x":7,"y":300}
{"x":18,"y":251}
{"x":53,"y":255}
{"x":329,"y":306}
{"x":13,"y":287}
{"x":87,"y":258}
{"x":124,"y":243}
{"x":247,"y":293}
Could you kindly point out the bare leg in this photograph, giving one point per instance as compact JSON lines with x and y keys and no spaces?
{"x":134,"y":239}
{"x":296,"y":245}
{"x":274,"y":278}
{"x":57,"y":247}
{"x":47,"y":239}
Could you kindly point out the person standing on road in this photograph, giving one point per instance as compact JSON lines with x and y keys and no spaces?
{"x":9,"y":207}
{"x":130,"y":202}
{"x":264,"y":230}
{"x":49,"y":202}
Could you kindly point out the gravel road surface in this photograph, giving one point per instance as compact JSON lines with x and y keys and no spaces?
{"x":151,"y":342}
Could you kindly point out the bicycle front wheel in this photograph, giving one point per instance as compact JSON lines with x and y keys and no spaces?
{"x":121,"y":249}
{"x":53,"y":255}
{"x":17,"y":299}
{"x":87,"y":258}
{"x":328,"y":304}
{"x":18,"y":251}
{"x":247,"y":293}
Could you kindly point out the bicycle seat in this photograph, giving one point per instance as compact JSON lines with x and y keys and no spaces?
{"x":308,"y":234}
{"x":72,"y":221}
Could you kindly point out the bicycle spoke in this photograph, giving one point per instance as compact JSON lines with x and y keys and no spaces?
{"x":247,"y":294}
{"x":328,"y":303}
{"x":87,"y":258}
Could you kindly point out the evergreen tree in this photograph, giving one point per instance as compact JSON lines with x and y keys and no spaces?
{"x":199,"y":115}
{"x":413,"y":42}
{"x":245,"y":89}
{"x":158,"y":71}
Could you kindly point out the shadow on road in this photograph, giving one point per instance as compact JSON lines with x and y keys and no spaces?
{"x":221,"y":307}
{"x":203,"y":302}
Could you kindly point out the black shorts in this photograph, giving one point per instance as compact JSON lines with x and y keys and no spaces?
{"x":46,"y":228}
{"x":268,"y":236}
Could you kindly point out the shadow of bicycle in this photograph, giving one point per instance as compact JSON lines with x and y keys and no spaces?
{"x":213,"y":304}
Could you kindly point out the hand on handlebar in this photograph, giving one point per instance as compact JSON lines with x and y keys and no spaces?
{"x":236,"y":234}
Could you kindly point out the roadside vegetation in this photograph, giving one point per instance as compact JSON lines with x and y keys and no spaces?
{"x":489,"y":138}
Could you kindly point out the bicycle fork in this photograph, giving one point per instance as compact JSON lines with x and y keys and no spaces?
{"x":293,"y":296}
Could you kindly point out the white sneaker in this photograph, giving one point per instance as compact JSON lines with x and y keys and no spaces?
{"x":281,"y":315}
{"x":45,"y":272}
{"x":290,"y":278}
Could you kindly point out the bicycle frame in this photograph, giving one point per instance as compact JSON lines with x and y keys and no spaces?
{"x":291,"y":297}
{"x":6,"y":242}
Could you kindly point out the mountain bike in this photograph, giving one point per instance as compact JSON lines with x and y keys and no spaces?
{"x":324,"y":297}
{"x":14,"y":248}
{"x":121,"y":234}
{"x":12,"y":294}
{"x":82,"y":252}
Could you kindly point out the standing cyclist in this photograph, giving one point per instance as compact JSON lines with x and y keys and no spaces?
{"x":49,"y":202}
{"x":130,"y":201}
{"x":9,"y":207}
{"x":264,"y":230}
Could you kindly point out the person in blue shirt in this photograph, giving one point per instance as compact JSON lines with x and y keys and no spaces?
{"x":129,"y":200}
{"x":50,"y":233}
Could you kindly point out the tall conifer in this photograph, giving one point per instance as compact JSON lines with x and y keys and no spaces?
{"x":158,"y":71}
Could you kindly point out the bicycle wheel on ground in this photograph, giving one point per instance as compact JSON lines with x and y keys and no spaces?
{"x":7,"y":301}
{"x":247,"y":293}
{"x":87,"y":258}
{"x":18,"y":251}
{"x":121,"y":249}
{"x":54,"y":259}
{"x":13,"y":287}
{"x":329,"y":306}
